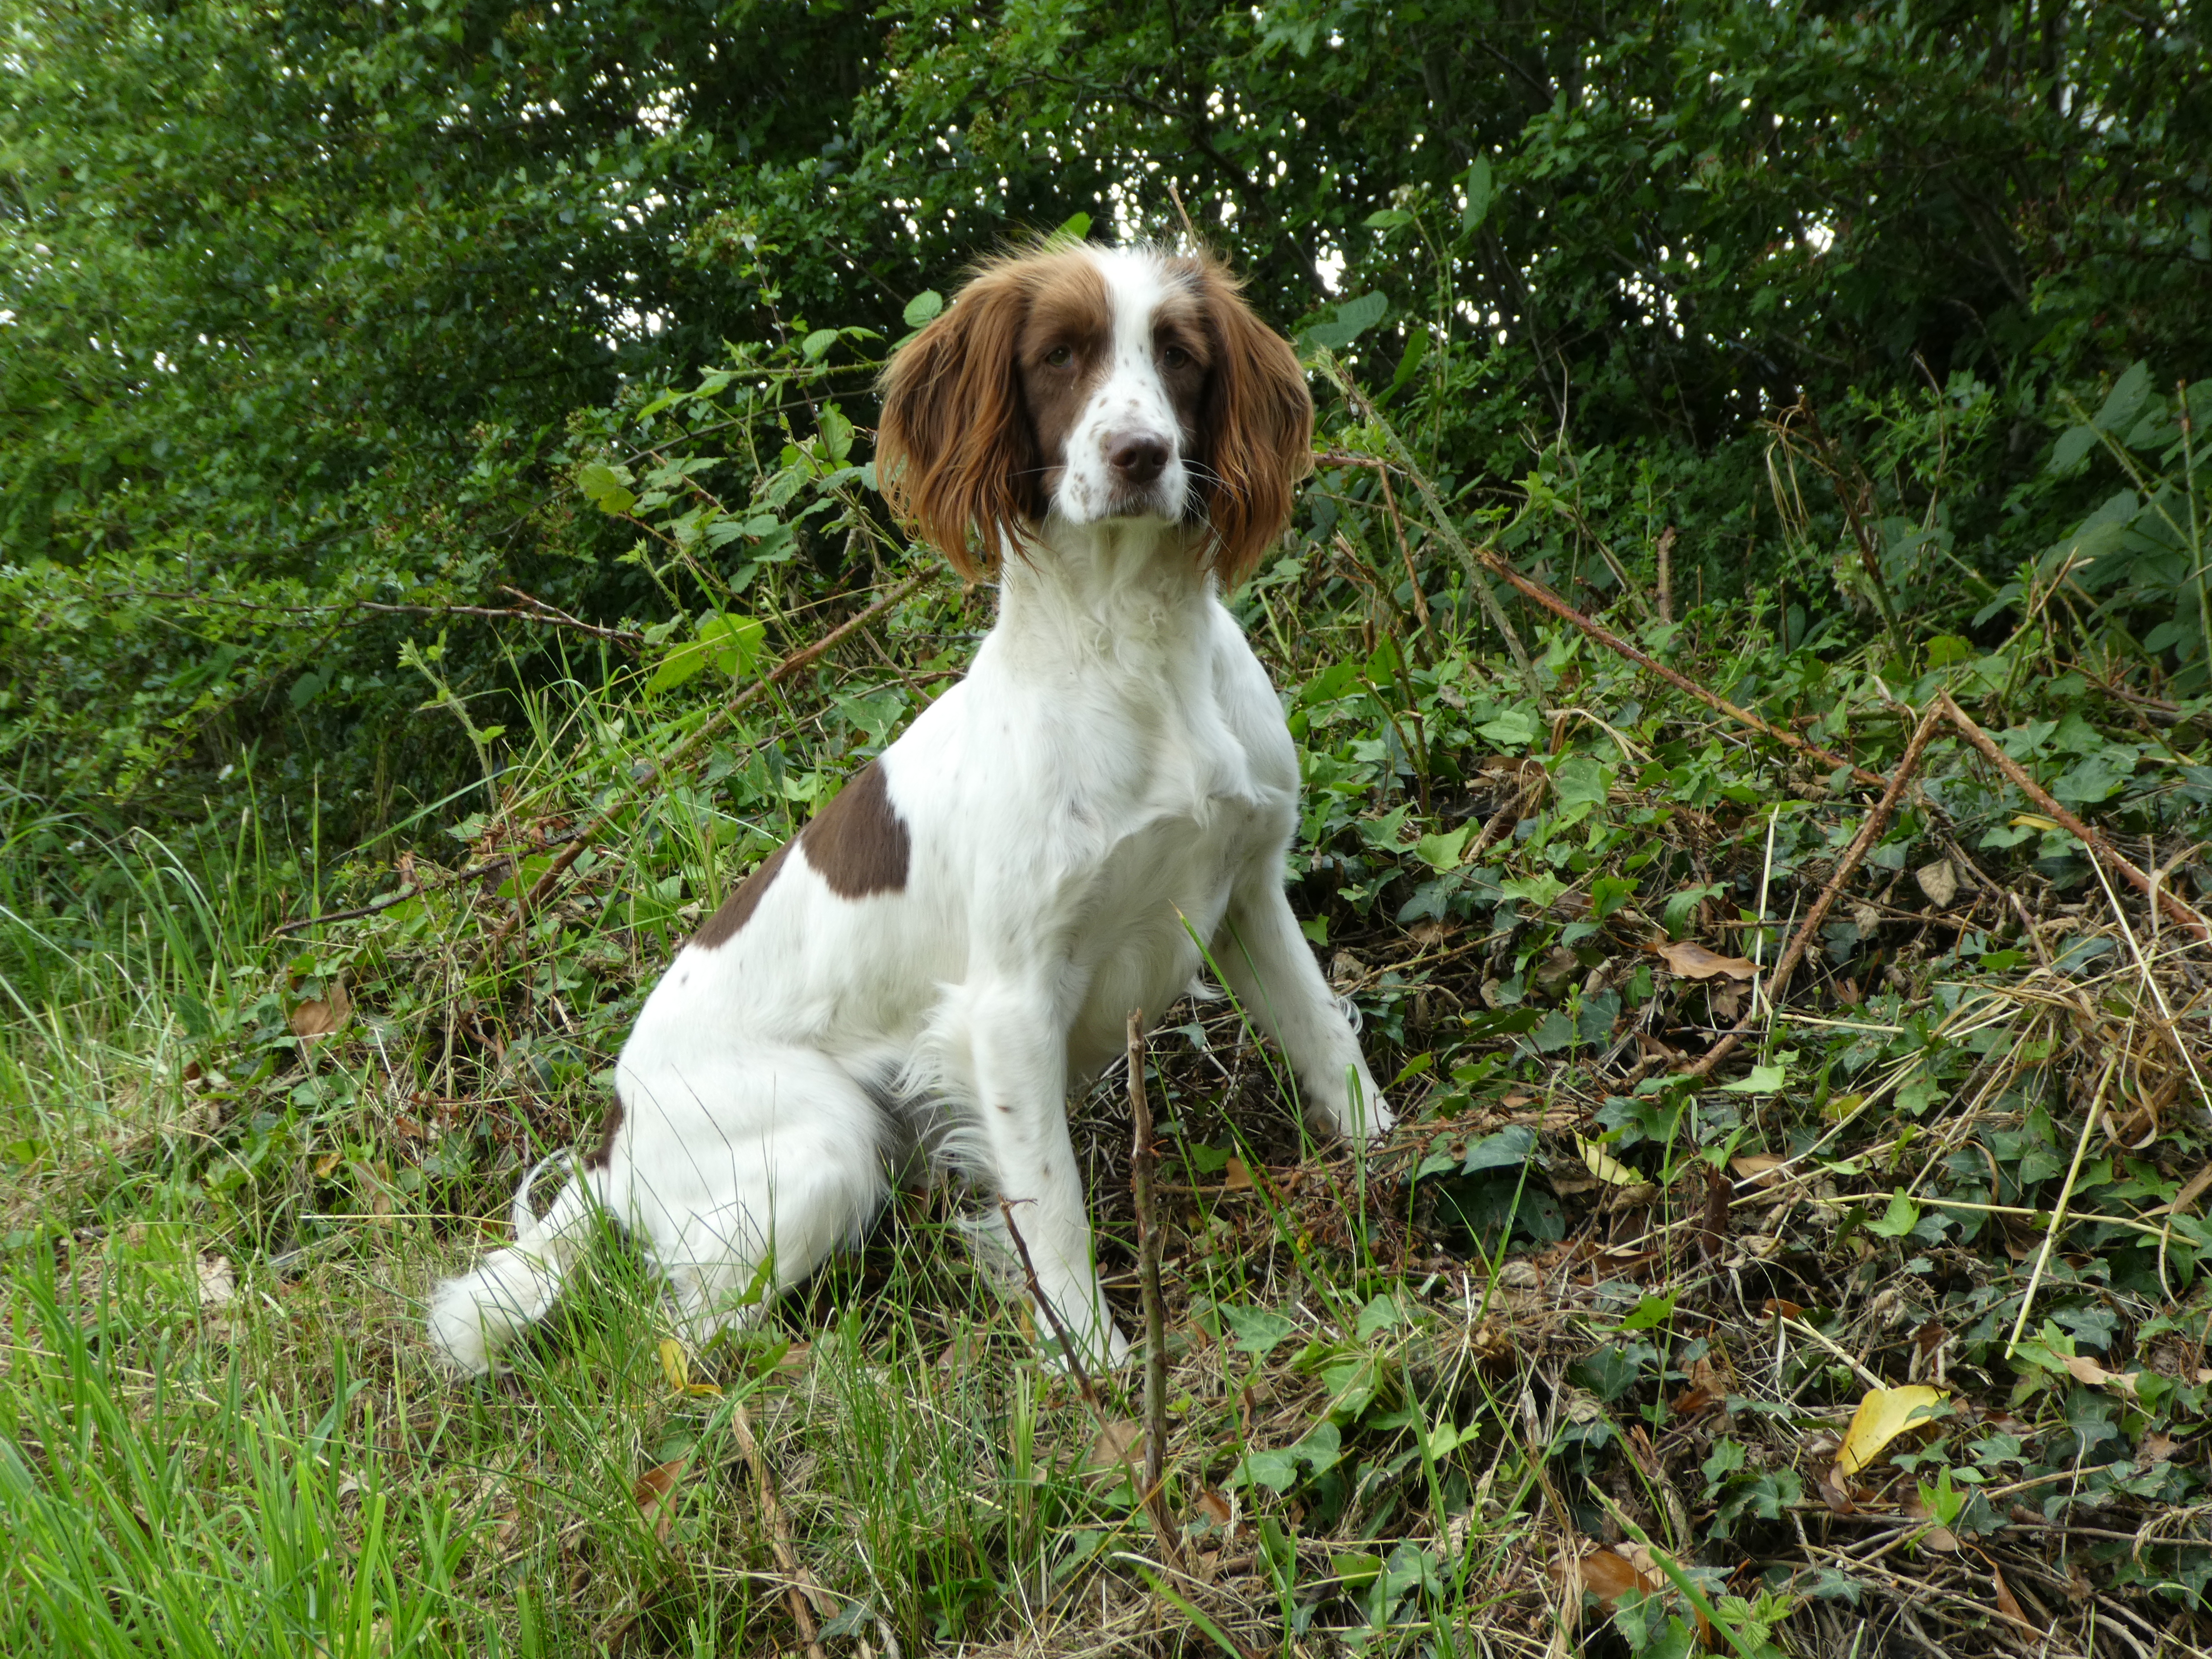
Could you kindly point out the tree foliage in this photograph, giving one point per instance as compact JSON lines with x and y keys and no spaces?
{"x":316,"y":306}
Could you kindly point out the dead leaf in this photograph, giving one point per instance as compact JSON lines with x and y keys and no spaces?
{"x":2192,"y":1190}
{"x":320,"y":1019}
{"x":1691,"y":961}
{"x":651,"y":1493}
{"x":1939,"y":881}
{"x":1835,"y":1493}
{"x":1431,"y":932}
{"x":1776,"y":1307}
{"x":1236,"y":1176}
{"x":2155,"y":1448}
{"x":1882,"y":1415}
{"x":2082,"y":1368}
{"x":1604,"y":1574}
{"x":1215,"y":1505}
{"x":218,"y":1282}
{"x":1757,"y":1167}
{"x":2008,"y":1603}
{"x":1605,"y":1166}
{"x":1116,"y":1446}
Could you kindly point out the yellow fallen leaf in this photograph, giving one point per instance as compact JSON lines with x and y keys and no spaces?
{"x":1883,"y":1415}
{"x":675,"y":1364}
{"x":1605,"y":1166}
{"x":2035,"y":821}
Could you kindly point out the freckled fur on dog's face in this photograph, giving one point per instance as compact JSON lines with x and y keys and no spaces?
{"x":1066,"y":350}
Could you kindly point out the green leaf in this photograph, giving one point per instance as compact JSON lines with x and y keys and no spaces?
{"x":606,"y":487}
{"x":1478,"y":195}
{"x":1903,"y":1215}
{"x":1515,"y":728}
{"x":1508,"y":1149}
{"x":2073,"y":444}
{"x":2125,"y":398}
{"x":1539,"y":890}
{"x":1259,"y":1330}
{"x":923,"y":307}
{"x":1651,"y":1313}
{"x":816,"y":345}
{"x":1075,"y":227}
{"x":728,"y":644}
{"x":1765,"y":1079}
{"x":1442,"y":852}
{"x":1353,"y":319}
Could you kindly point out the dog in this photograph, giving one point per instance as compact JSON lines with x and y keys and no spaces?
{"x":1104,"y":802}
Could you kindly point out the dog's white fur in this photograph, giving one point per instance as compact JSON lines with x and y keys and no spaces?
{"x":1110,"y":784}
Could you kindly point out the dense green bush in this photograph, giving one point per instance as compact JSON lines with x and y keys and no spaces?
{"x":316,"y":307}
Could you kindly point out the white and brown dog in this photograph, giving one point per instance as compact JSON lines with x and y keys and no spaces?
{"x":960,"y":935}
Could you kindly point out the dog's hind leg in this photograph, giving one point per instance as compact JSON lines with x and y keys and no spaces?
{"x":744,"y":1187}
{"x":475,"y":1314}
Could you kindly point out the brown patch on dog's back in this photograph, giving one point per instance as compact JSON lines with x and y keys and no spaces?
{"x":737,"y":909}
{"x":608,"y":1129}
{"x":858,"y":843}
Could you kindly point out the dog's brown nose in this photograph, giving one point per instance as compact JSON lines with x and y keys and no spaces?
{"x":1137,"y":457}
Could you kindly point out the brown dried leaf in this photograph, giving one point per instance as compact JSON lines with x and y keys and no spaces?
{"x":1757,"y":1167}
{"x":1607,"y":1576}
{"x":1939,"y":881}
{"x":2008,"y":1603}
{"x":1216,"y":1506}
{"x":1116,"y":1446}
{"x":1236,"y":1176}
{"x":652,"y":1492}
{"x":320,"y":1019}
{"x":1835,"y":1493}
{"x":2082,"y":1368}
{"x":1691,"y":961}
{"x":2157,"y":1448}
{"x":218,"y":1282}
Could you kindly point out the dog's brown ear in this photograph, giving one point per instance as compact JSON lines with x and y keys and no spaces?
{"x":1256,"y":429}
{"x":954,"y":454}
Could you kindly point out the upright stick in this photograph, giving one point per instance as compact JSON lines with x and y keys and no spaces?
{"x":1142,"y":1156}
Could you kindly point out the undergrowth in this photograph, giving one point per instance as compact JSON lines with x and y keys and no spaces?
{"x":1603,"y":1352}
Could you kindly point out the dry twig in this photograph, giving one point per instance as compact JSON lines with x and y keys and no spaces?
{"x":2097,"y":845}
{"x":799,"y":1589}
{"x":1808,"y":930}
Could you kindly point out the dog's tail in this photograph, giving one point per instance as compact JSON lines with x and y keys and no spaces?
{"x":475,"y":1314}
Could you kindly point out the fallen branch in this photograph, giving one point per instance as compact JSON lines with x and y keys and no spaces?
{"x":614,"y":809}
{"x":2098,"y":846}
{"x":1612,"y":642}
{"x":799,"y":1589}
{"x":1877,"y":819}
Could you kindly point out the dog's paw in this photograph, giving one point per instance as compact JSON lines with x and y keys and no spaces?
{"x":1097,"y":1358}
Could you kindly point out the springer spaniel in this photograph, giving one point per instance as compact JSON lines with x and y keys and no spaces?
{"x":960,"y":935}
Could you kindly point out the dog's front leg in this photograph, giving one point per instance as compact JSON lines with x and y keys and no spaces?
{"x":1266,"y":962}
{"x":1017,"y":1047}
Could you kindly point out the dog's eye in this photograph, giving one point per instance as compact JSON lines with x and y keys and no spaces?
{"x":1174,"y":357}
{"x":1059,"y":357}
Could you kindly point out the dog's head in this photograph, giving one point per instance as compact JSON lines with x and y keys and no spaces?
{"x":1083,"y":384}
